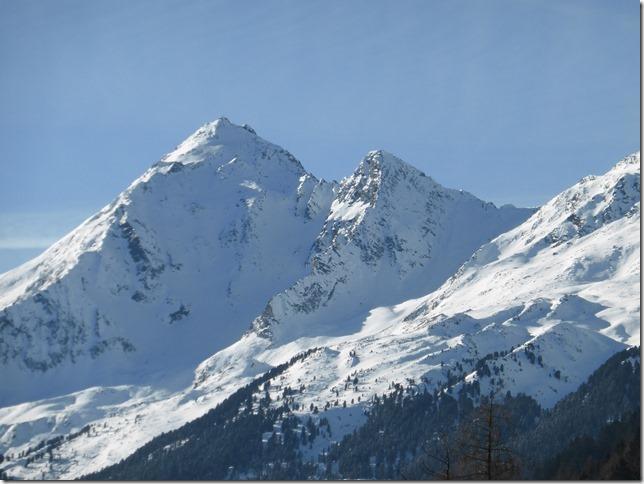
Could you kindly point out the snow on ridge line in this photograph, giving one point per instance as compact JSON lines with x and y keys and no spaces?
{"x":394,"y":225}
{"x":381,"y":346}
{"x":148,"y":262}
{"x":210,"y":140}
{"x":130,"y":262}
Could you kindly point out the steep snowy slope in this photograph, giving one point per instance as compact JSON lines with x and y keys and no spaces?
{"x":181,"y":261}
{"x":535,"y":310}
{"x":172,"y":270}
{"x":580,"y":250}
{"x":565,"y":282}
{"x":392,"y":233}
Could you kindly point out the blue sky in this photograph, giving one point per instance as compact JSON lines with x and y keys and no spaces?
{"x":512,"y":100}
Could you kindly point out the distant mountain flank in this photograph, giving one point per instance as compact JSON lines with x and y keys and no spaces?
{"x":172,"y":270}
{"x":392,"y":233}
{"x":181,"y":263}
{"x":227,"y":279}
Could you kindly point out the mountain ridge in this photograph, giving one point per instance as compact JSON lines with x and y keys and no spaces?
{"x":388,"y":221}
{"x":128,"y":292}
{"x":520,"y":312}
{"x":141,"y":255}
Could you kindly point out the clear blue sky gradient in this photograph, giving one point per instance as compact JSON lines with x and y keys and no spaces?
{"x":512,"y":100}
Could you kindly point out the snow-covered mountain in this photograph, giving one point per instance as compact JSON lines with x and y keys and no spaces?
{"x":179,"y":264}
{"x":580,"y":250}
{"x":535,"y":310}
{"x":172,"y":270}
{"x":392,"y":233}
{"x":566,"y":291}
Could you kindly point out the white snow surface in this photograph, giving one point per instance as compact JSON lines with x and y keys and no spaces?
{"x":171,"y":271}
{"x":392,"y":234}
{"x":562,"y":285}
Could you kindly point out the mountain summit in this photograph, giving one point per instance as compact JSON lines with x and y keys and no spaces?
{"x":180,"y":263}
{"x":221,"y":141}
{"x":392,"y":233}
{"x":169,"y":272}
{"x":137,"y":322}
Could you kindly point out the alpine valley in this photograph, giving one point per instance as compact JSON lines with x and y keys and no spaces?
{"x":229,"y":315}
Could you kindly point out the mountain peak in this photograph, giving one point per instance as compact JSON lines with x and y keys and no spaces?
{"x":221,"y":142}
{"x":213,"y":129}
{"x":380,"y":172}
{"x":220,"y":121}
{"x":631,"y":161}
{"x":204,"y":141}
{"x":387,"y":162}
{"x":220,"y":126}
